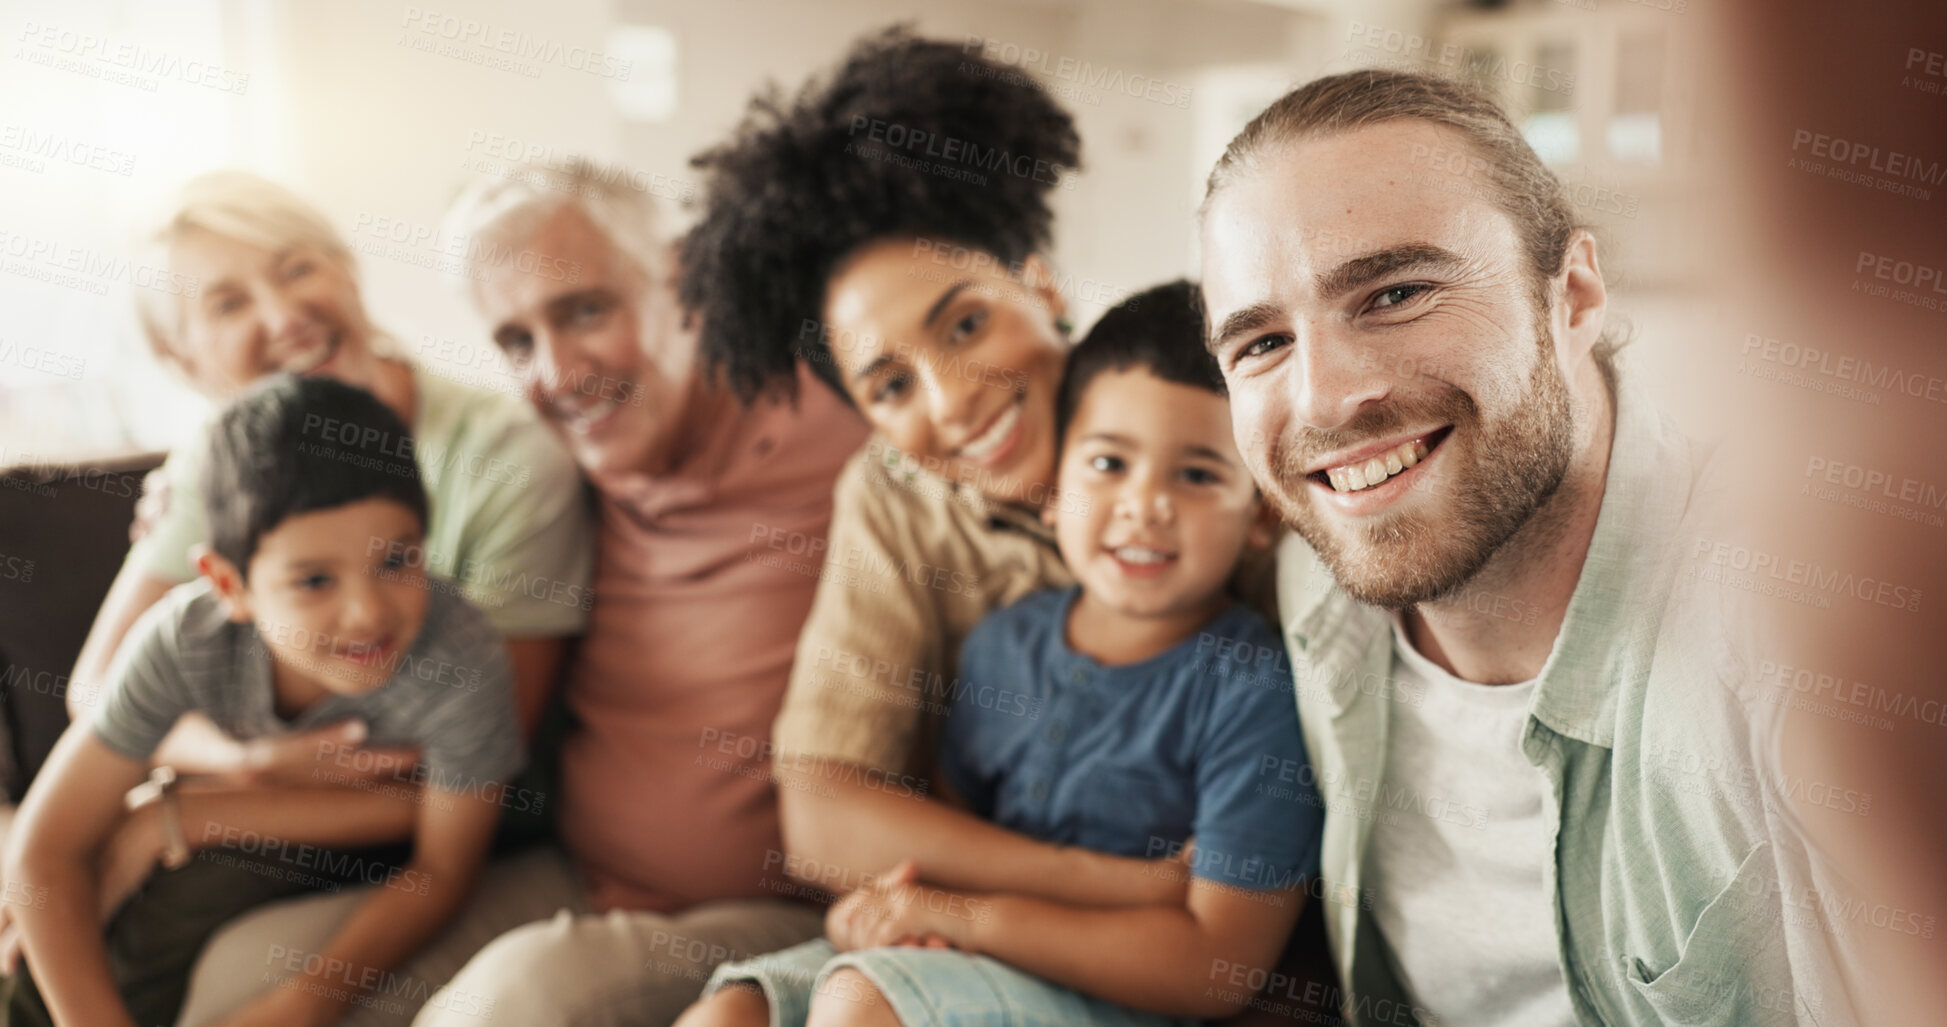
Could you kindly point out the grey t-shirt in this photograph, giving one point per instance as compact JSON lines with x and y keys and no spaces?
{"x":452,"y":694}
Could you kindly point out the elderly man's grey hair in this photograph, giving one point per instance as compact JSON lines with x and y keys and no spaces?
{"x":502,"y":212}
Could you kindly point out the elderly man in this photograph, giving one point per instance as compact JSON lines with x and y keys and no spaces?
{"x":1544,"y":807}
{"x":669,"y":858}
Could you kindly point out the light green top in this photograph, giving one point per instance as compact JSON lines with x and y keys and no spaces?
{"x":1665,"y":880}
{"x":508,"y":518}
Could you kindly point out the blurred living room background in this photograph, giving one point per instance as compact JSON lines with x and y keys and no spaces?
{"x":379,"y":111}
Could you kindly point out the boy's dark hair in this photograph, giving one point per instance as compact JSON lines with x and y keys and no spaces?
{"x":1160,"y":330}
{"x":292,"y":445}
{"x":910,"y":137}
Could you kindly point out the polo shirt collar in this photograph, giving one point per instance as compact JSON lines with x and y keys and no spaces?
{"x":722,"y":436}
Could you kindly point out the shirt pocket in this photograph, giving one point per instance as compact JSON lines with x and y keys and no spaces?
{"x":1733,"y":968}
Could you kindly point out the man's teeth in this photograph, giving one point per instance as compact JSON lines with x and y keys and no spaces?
{"x":1373,"y":471}
{"x":313,"y":358}
{"x":1138,"y":554}
{"x":986,"y":443}
{"x":580,"y":419}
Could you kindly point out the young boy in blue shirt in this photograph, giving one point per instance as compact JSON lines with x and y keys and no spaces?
{"x":1128,"y":727}
{"x":308,"y":613}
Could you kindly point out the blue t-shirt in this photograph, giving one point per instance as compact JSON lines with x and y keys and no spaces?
{"x":1135,"y":760}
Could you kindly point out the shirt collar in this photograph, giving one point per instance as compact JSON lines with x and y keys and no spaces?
{"x":903,"y":468}
{"x":1616,"y":611}
{"x":723,"y":437}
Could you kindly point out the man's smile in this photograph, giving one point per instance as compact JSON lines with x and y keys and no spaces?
{"x":1373,"y":465}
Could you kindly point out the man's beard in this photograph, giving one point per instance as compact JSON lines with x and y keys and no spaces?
{"x":1514,"y":465}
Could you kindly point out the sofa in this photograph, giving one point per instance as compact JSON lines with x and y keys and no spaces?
{"x":63,"y":534}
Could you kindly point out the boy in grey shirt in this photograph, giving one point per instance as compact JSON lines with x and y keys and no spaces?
{"x":311,"y":610}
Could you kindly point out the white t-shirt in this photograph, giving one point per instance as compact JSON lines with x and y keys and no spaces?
{"x":1457,"y":851}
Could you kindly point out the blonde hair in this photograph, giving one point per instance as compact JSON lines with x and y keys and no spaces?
{"x":507,"y":210}
{"x":239,"y":205}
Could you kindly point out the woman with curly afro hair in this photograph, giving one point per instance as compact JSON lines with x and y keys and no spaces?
{"x":887,"y":227}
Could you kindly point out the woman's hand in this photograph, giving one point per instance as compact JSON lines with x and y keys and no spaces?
{"x":327,"y":755}
{"x":841,"y":918}
{"x":898,"y":910}
{"x":847,"y":919}
{"x":199,"y":750}
{"x":151,"y":507}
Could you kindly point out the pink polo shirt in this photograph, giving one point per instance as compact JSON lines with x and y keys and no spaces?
{"x":704,"y":579}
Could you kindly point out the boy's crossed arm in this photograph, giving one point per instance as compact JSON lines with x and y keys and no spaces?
{"x":53,"y":881}
{"x":842,"y":830}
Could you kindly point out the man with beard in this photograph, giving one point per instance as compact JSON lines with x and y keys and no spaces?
{"x":1543,"y":802}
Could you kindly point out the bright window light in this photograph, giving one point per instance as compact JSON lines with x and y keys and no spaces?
{"x":647,"y":91}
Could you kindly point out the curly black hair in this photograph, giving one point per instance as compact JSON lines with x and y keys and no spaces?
{"x":910,"y":137}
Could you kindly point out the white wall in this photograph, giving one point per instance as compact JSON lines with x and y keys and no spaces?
{"x":341,"y":105}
